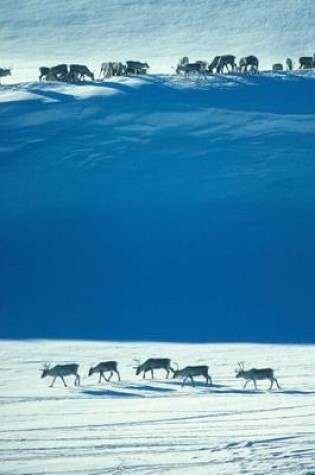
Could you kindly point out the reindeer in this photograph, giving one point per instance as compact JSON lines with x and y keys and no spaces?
{"x":255,"y":375}
{"x":152,"y":364}
{"x":289,"y":64}
{"x":136,"y":67}
{"x":112,"y":69}
{"x":61,"y":371}
{"x":225,"y":61}
{"x":4,"y":72}
{"x":191,"y":372}
{"x":199,"y":67}
{"x":277,"y":67}
{"x":119,"y":69}
{"x":250,"y":62}
{"x":107,"y":70}
{"x":307,"y":62}
{"x":214,"y":64}
{"x":44,"y":73}
{"x":79,"y":72}
{"x":105,"y":367}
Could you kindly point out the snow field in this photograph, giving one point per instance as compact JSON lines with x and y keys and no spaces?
{"x":156,"y":427}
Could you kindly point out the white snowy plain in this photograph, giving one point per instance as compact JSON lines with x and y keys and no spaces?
{"x":156,"y":426}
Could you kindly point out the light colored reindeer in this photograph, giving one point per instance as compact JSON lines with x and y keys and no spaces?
{"x":105,"y":367}
{"x":61,"y":371}
{"x":255,"y":375}
{"x":153,"y":363}
{"x":191,"y":372}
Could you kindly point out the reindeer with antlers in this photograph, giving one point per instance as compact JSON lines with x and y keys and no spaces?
{"x":255,"y":375}
{"x":61,"y":371}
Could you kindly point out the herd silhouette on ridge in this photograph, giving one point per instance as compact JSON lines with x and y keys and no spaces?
{"x":220,"y":64}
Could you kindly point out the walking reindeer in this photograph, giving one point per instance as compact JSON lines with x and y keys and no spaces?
{"x":255,"y":375}
{"x":191,"y":372}
{"x":105,"y":367}
{"x":60,"y":371}
{"x":153,"y":363}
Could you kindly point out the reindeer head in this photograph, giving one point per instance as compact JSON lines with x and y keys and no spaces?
{"x":175,"y":371}
{"x":137,"y":368}
{"x":240,"y":370}
{"x":91,"y":371}
{"x":45,"y":370}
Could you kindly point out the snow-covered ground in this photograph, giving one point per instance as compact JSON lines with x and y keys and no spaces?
{"x":156,"y":427}
{"x":36,"y":33}
{"x":157,"y":208}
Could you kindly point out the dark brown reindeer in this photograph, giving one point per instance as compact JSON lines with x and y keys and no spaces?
{"x":4,"y":72}
{"x":105,"y":367}
{"x":307,"y":62}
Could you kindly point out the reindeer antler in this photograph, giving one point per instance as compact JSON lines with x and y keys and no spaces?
{"x":241,"y":366}
{"x":45,"y":366}
{"x":137,"y":360}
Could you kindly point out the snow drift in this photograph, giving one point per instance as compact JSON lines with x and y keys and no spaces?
{"x":159,"y":208}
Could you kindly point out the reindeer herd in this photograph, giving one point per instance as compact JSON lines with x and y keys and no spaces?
{"x":220,"y":64}
{"x":227,"y":63}
{"x":150,"y":365}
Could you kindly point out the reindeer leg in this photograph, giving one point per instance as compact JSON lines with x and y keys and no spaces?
{"x":77,"y":380}
{"x":278,"y":386}
{"x":184,"y":381}
{"x":100,"y":378}
{"x":117,"y":372}
{"x":167,"y":373}
{"x":192,"y":380}
{"x":152,"y":375}
{"x":255,"y":384}
{"x":53,"y":382}
{"x":271,"y":384}
{"x":63,"y":379}
{"x":247,"y":381}
{"x":144,"y":374}
{"x":110,"y":376}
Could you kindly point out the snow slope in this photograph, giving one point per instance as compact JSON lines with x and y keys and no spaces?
{"x":42,"y":32}
{"x":156,"y":427}
{"x":137,"y":201}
